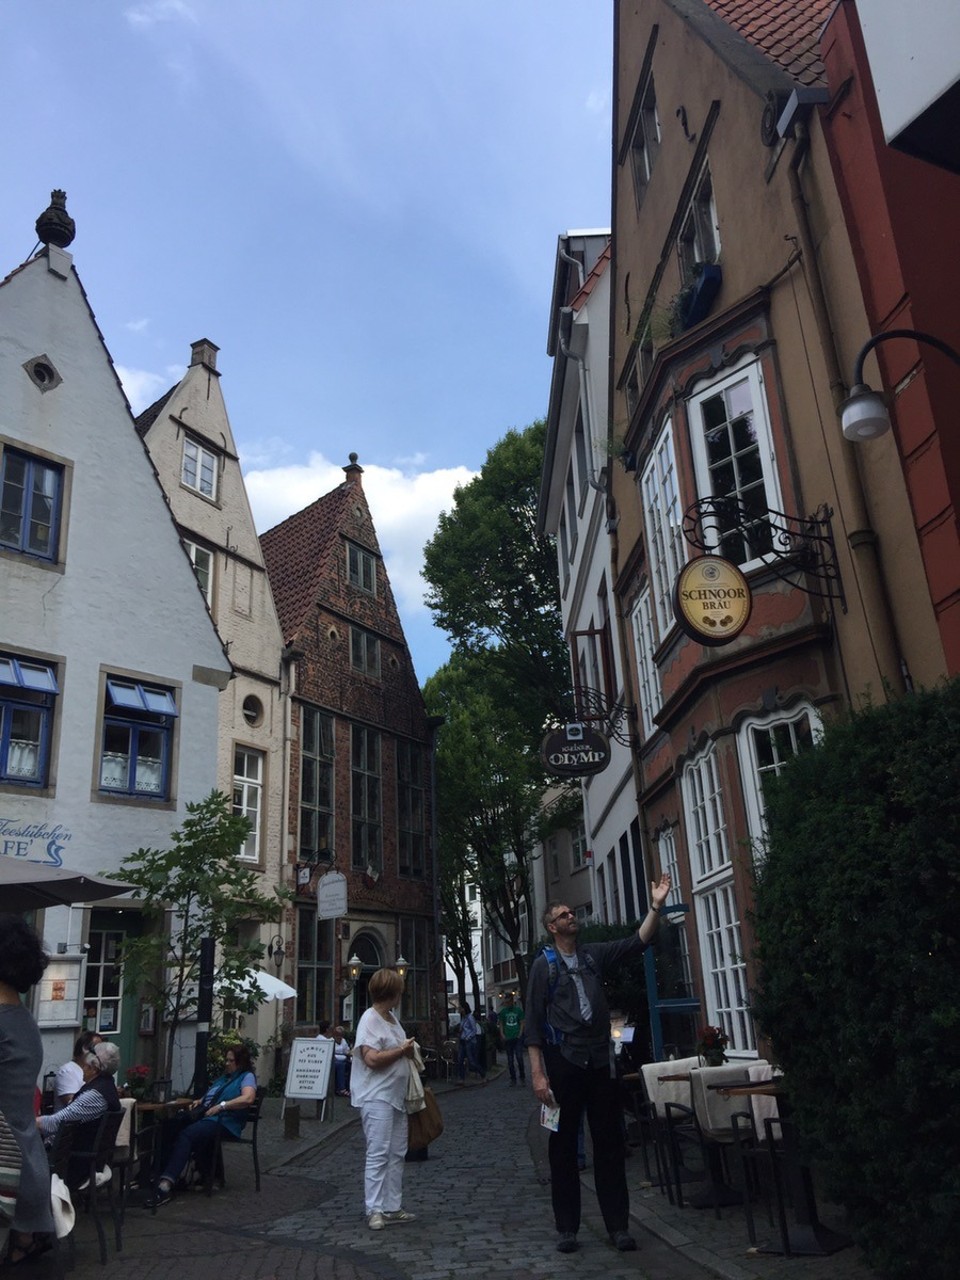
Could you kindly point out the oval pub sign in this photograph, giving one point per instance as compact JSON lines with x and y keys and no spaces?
{"x":712,"y":600}
{"x":575,"y":751}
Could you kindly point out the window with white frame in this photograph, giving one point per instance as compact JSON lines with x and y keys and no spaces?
{"x":361,"y":568}
{"x":724,"y":966}
{"x":138,"y":725}
{"x":580,"y":453}
{"x":202,"y":560}
{"x":316,"y":785}
{"x":573,"y":527}
{"x":706,"y":825}
{"x":365,"y":799}
{"x":31,"y":498}
{"x":648,"y":673}
{"x":578,"y":845}
{"x":699,"y":240}
{"x":666,"y":842}
{"x":199,"y":470}
{"x":28,"y":693}
{"x":733,"y":458}
{"x":248,"y":798}
{"x":645,"y":142}
{"x":365,"y":652}
{"x":663,"y":520}
{"x":765,"y":744}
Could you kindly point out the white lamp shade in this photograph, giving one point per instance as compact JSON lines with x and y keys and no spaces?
{"x":864,"y":415}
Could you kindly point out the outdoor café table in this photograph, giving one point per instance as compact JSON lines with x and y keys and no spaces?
{"x":806,"y":1235}
{"x":152,"y":1118}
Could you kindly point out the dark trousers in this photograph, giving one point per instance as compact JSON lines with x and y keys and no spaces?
{"x":195,"y":1141}
{"x":515,"y":1058}
{"x":593,"y":1092}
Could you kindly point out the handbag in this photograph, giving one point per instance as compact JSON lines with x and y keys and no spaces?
{"x":425,"y":1125}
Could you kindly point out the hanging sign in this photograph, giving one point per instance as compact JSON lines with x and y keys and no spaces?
{"x":575,"y":751}
{"x":331,"y":896}
{"x":712,"y":600}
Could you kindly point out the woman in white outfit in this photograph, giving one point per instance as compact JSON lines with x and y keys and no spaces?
{"x":378,"y":1086}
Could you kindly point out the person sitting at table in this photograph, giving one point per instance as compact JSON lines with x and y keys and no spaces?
{"x":341,"y":1063}
{"x":93,"y":1100}
{"x":69,"y":1079}
{"x":224,"y":1105}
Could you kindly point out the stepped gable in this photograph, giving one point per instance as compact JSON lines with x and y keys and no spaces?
{"x":785,"y":31}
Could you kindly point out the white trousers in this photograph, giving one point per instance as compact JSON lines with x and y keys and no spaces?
{"x":385,"y":1131}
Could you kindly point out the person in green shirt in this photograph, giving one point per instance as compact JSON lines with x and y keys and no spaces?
{"x":511,"y":1034}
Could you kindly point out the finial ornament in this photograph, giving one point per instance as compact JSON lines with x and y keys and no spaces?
{"x":55,"y":226}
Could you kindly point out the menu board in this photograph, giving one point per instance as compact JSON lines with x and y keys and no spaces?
{"x":308,"y":1073}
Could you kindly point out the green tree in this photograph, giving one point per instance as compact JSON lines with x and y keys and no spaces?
{"x":195,"y":889}
{"x":858,"y":947}
{"x":493,"y":579}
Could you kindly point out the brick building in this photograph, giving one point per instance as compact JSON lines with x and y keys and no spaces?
{"x":360,"y":768}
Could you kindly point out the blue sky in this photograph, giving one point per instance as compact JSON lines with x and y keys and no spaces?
{"x":358,"y":201}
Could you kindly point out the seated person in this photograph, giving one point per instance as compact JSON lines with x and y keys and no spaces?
{"x":341,"y":1063}
{"x":96,"y":1096}
{"x":323,"y":1029}
{"x":69,"y":1079}
{"x":224,"y":1105}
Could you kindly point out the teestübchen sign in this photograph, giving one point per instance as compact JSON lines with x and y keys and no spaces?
{"x":575,"y":751}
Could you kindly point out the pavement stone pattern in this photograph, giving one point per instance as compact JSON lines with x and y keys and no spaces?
{"x":482,"y":1200}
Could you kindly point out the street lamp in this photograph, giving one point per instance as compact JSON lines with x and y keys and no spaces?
{"x":401,"y":966}
{"x":354,"y":965}
{"x":864,"y":414}
{"x":277,"y":951}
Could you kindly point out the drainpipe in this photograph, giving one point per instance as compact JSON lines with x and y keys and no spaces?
{"x":566,"y":323}
{"x":861,"y":538}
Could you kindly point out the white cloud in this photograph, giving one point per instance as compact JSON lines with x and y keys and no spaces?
{"x":141,"y":386}
{"x":137,"y":326}
{"x":405,"y":507}
{"x":148,"y":15}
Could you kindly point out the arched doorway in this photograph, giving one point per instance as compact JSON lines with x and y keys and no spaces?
{"x":366,"y":947}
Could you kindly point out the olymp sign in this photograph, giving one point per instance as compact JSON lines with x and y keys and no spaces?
{"x":575,"y":751}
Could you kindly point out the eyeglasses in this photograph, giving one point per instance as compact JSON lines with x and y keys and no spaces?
{"x":561,"y":915}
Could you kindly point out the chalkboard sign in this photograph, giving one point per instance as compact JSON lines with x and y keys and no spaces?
{"x":308,"y":1072}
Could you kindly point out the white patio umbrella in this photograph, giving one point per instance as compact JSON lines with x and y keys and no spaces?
{"x":269,"y":987}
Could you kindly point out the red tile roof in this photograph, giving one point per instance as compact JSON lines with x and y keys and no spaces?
{"x":297,"y":553}
{"x":590,"y":283}
{"x":786,"y":31}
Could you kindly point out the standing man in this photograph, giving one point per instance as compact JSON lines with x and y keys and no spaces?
{"x":568,"y":1039}
{"x":469,"y":1045}
{"x":511,"y":1033}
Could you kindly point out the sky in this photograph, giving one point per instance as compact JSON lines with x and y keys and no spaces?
{"x":358,"y":201}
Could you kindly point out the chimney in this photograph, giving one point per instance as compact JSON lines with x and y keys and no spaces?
{"x":204,"y":352}
{"x":353,"y":470}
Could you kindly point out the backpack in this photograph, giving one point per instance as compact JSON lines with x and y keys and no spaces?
{"x":553,"y":966}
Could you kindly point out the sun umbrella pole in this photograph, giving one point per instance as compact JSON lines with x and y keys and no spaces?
{"x":204,"y":1014}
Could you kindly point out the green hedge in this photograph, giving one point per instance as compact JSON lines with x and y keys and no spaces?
{"x":858,"y":927}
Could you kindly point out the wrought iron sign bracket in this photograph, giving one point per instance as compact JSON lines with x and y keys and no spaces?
{"x":799,"y":550}
{"x":615,"y":721}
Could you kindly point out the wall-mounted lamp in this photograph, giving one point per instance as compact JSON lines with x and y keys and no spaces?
{"x":277,"y":951}
{"x":354,"y":966}
{"x":401,"y":966}
{"x":864,"y":414}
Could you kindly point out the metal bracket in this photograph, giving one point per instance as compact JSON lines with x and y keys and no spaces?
{"x":615,"y":721}
{"x":795,"y":548}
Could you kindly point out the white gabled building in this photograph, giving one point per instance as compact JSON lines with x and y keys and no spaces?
{"x":110,"y":665}
{"x":596,"y":869}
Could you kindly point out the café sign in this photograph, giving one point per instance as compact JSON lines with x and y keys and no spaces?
{"x":575,"y":751}
{"x":712,"y":600}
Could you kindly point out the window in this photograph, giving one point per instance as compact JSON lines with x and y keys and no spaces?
{"x":199,"y":470}
{"x":645,"y":142}
{"x":314,"y":967}
{"x":700,"y":235}
{"x":361,"y":568}
{"x":103,"y":983}
{"x":137,"y":739}
{"x":648,"y":674}
{"x":765,"y":746}
{"x":578,"y":845}
{"x":202,"y":561}
{"x":706,"y":825}
{"x":663,"y":520}
{"x":667,"y":852}
{"x":414,"y":942}
{"x":316,"y":785}
{"x":724,"y":967}
{"x":580,"y":453}
{"x":365,"y":807}
{"x":410,"y":796}
{"x":248,"y":798}
{"x":28,"y":691}
{"x":573,"y":528}
{"x":31,"y":495}
{"x":364,"y":652}
{"x":733,"y":458}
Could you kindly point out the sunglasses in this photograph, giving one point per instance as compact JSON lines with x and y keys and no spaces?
{"x":562,"y":915}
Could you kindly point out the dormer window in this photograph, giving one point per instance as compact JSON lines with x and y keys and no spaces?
{"x":200,"y":470}
{"x":645,"y":141}
{"x":361,"y":568}
{"x":699,"y":240}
